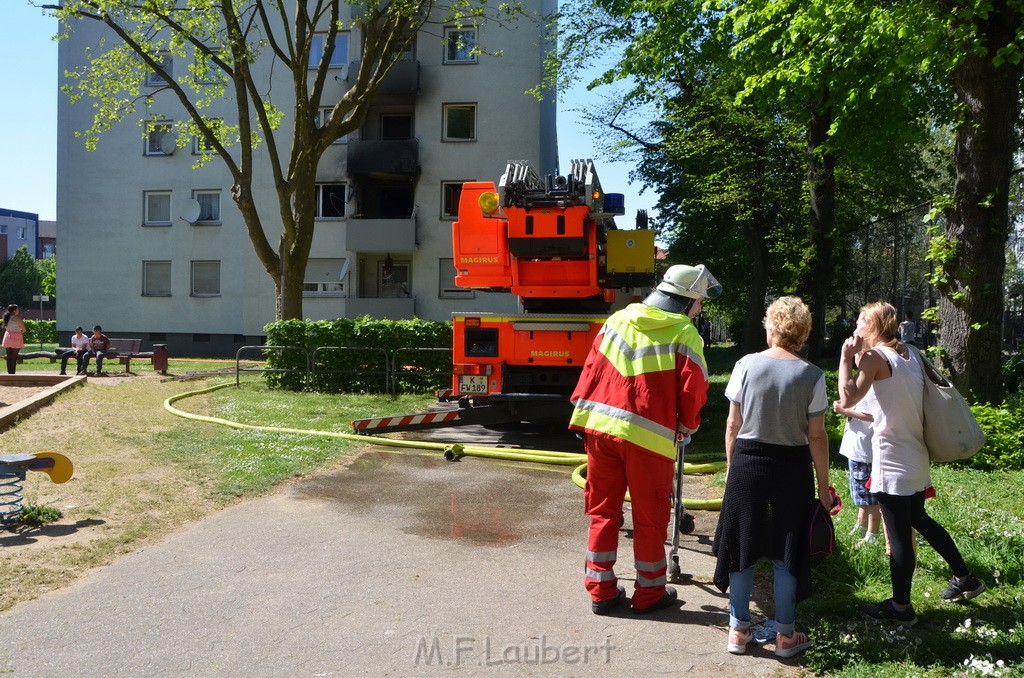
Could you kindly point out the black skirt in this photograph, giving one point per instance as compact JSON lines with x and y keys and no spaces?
{"x":764,"y":512}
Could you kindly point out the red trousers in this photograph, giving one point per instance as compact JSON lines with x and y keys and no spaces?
{"x":613,"y":466}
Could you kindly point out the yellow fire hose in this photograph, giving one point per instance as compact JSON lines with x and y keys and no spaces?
{"x":452,"y":451}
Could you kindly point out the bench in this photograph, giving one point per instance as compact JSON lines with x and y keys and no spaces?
{"x":124,"y":350}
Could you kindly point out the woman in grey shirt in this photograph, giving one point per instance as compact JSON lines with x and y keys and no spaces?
{"x":775,"y":434}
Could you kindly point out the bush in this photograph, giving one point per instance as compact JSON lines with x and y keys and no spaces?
{"x":354,"y":356}
{"x":40,"y":331}
{"x":1004,"y":433}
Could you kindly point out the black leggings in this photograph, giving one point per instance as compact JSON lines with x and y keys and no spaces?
{"x":903,"y":515}
{"x":12,"y":360}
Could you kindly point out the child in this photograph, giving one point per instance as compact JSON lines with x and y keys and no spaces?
{"x":856,"y":447}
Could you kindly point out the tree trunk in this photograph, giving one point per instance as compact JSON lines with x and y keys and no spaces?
{"x":971,"y":306}
{"x":822,"y":182}
{"x":753,"y":338}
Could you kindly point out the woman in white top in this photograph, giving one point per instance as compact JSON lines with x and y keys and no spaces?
{"x":899,"y":460}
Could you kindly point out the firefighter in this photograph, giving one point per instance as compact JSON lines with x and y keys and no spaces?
{"x":643,"y":384}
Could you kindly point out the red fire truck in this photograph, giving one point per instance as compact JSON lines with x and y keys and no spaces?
{"x":554,"y":244}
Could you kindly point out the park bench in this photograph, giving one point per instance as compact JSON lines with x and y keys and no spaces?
{"x":124,"y":350}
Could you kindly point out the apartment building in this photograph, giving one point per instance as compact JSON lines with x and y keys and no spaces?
{"x":152,"y":247}
{"x":18,"y":229}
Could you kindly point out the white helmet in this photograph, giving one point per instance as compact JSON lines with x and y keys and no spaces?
{"x":695,"y":282}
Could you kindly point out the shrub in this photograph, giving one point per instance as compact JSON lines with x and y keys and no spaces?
{"x":1004,"y":433}
{"x":40,"y":331}
{"x":355,"y":355}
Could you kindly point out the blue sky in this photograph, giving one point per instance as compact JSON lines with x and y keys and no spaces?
{"x":28,"y":122}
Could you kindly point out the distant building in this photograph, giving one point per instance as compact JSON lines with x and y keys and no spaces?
{"x":47,"y":239}
{"x":152,"y":248}
{"x":17,"y":230}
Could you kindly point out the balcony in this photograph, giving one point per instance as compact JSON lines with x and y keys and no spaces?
{"x":393,"y":234}
{"x":392,"y":158}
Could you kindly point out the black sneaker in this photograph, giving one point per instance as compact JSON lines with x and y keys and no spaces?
{"x":666,"y":600}
{"x":962,"y":588}
{"x":886,"y":611}
{"x":606,"y":606}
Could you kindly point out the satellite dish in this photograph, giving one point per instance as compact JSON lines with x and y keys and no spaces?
{"x":344,"y":270}
{"x":167,"y":143}
{"x":191,"y":211}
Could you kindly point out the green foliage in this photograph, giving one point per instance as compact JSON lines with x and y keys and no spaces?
{"x":1013,"y":372}
{"x":35,"y":515}
{"x":19,"y":279}
{"x":355,"y":355}
{"x":47,"y":269}
{"x":40,"y":331}
{"x":1004,"y":436}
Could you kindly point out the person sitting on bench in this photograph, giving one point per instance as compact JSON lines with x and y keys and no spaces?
{"x":98,"y":347}
{"x":79,"y":347}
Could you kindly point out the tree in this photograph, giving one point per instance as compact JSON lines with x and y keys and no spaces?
{"x":47,"y":269}
{"x":232,"y":48}
{"x":19,"y":279}
{"x":983,"y":57}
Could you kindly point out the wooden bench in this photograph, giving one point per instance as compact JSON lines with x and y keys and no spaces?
{"x":124,"y":350}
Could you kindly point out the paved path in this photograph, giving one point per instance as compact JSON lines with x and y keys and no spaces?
{"x":403,"y":565}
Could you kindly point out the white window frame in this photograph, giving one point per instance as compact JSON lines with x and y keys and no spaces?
{"x":152,"y":78}
{"x":323,"y":115}
{"x":19,"y":233}
{"x":214,"y":220}
{"x":3,"y":229}
{"x":155,"y":129}
{"x":453,"y":35}
{"x":147,"y":220}
{"x":320,"y":198}
{"x":147,"y":274}
{"x":446,"y":288}
{"x":49,"y":250}
{"x":199,"y":146}
{"x":453,"y":214}
{"x":339,"y":59}
{"x":448,"y":108}
{"x":192,"y":278}
{"x":322,"y":278}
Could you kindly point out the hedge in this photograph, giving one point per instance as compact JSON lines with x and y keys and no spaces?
{"x":360,"y":371}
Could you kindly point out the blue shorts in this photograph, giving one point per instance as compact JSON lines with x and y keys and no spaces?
{"x":859,"y":473}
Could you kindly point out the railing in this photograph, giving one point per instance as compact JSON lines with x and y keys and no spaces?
{"x":280,"y":349}
{"x":398,"y":368}
{"x":376,"y":364}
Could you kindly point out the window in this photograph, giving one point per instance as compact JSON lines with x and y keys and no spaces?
{"x":20,"y":233}
{"x":339,"y":57}
{"x":459,"y":45}
{"x":49,"y":250}
{"x":209,"y":206}
{"x":159,"y":138}
{"x":156,"y":278}
{"x":3,"y":229}
{"x":154,"y":79}
{"x":323,"y":278}
{"x":205,"y":278}
{"x":323,"y":116}
{"x":459,"y":122}
{"x":446,"y":281}
{"x":395,"y":126}
{"x":158,"y":208}
{"x":330,"y":201}
{"x":451,"y":191}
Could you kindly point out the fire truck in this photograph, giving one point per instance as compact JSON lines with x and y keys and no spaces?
{"x":553,"y":243}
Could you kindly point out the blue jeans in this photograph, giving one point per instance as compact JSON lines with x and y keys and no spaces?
{"x":741,"y":585}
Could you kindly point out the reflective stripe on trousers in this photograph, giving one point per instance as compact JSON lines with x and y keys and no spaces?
{"x":612,"y":466}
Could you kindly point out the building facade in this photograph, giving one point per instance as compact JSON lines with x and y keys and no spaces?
{"x":17,"y":230}
{"x":154,"y":247}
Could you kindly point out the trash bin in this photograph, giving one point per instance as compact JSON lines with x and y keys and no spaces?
{"x":160,"y":358}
